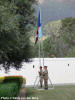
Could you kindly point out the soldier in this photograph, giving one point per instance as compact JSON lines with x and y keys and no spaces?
{"x":45,"y":76}
{"x":41,"y":76}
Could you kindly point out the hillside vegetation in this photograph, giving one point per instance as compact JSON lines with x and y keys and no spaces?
{"x":60,"y":38}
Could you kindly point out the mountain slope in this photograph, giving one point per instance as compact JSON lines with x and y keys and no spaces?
{"x":61,"y":38}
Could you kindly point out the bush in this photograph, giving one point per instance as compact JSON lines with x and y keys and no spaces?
{"x":9,"y":89}
{"x":17,"y":79}
{"x":10,"y":85}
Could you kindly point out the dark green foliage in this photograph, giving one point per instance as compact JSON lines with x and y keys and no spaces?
{"x":10,"y":86}
{"x":16,"y":20}
{"x":68,"y":33}
{"x":9,"y":89}
{"x":18,"y":80}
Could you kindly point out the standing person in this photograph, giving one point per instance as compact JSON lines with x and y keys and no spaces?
{"x":41,"y":76}
{"x":45,"y":76}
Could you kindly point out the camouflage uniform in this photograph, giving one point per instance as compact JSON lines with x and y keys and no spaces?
{"x":45,"y":76}
{"x":41,"y":77}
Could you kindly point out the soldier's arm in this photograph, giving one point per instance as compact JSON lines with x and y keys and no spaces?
{"x":39,"y":73}
{"x":45,"y":72}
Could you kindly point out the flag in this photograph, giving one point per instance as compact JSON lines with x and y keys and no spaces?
{"x":39,"y":30}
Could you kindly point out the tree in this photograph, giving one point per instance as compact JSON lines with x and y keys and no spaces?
{"x":16,"y":20}
{"x":60,"y":40}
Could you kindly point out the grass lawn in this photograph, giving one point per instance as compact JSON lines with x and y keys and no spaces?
{"x":59,"y":93}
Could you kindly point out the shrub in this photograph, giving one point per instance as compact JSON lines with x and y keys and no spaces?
{"x":17,"y":79}
{"x":10,"y":85}
{"x":9,"y":89}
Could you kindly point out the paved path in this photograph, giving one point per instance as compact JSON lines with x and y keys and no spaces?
{"x":22,"y":94}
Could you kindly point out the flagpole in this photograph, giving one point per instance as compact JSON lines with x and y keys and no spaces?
{"x":41,"y":42}
{"x":43,"y":51}
{"x":39,"y":53}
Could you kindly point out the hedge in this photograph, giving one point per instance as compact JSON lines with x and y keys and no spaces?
{"x":10,"y":85}
{"x":17,"y":79}
{"x":9,"y":89}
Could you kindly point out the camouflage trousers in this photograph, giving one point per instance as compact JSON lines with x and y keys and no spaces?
{"x":41,"y":82}
{"x":46,"y":83}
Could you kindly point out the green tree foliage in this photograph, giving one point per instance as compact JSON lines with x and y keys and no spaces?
{"x":16,"y":20}
{"x":61,"y":38}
